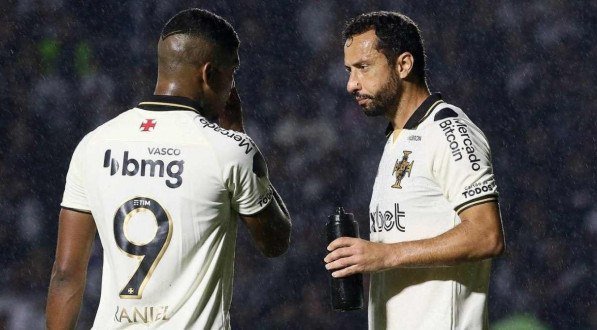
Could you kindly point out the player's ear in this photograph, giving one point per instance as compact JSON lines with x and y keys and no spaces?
{"x":404,"y":65}
{"x":207,"y":73}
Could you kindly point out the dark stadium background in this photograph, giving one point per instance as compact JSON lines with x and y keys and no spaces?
{"x":524,"y":71}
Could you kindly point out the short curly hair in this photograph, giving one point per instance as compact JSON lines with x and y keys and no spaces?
{"x":204,"y":24}
{"x":396,"y":34}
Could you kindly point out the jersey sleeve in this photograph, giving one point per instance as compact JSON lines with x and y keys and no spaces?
{"x":246,"y":178}
{"x":75,"y":195}
{"x":462,"y":164}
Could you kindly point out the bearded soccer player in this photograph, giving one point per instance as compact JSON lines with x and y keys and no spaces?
{"x":163,"y":183}
{"x":434,"y":216}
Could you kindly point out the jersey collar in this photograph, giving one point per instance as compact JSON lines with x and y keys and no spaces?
{"x":169,"y":102}
{"x":420,"y":114}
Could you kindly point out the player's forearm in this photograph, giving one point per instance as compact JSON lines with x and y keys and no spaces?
{"x":270,"y":228}
{"x":277,"y":231}
{"x":280,"y":202}
{"x":64,"y":300}
{"x":463,"y":243}
{"x":272,"y":237}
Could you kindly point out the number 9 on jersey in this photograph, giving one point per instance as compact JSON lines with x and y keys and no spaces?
{"x":151,"y":251}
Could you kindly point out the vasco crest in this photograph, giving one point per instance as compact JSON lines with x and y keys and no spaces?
{"x":401,"y":168}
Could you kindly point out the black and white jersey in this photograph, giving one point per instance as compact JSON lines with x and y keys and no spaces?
{"x":436,"y":167}
{"x":164,"y":186}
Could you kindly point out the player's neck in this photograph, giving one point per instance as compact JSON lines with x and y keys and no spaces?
{"x":412,"y":97}
{"x":174,"y":88}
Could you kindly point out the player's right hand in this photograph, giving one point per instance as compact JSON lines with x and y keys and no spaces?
{"x":349,"y":255}
{"x":232,"y":116}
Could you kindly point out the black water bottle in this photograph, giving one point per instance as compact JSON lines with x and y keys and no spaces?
{"x":347,"y":292}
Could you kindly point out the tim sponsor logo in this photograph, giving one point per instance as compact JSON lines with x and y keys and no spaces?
{"x":387,"y":220}
{"x":146,"y":167}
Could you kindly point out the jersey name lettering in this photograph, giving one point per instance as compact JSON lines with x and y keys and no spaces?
{"x":163,"y":151}
{"x":146,"y":315}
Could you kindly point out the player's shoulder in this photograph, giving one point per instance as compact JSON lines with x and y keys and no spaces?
{"x":442,"y":112}
{"x":226,"y":143}
{"x":447,"y":116}
{"x":449,"y":128}
{"x":104,"y":130}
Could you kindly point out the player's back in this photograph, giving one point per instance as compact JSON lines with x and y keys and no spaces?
{"x":159,"y":186}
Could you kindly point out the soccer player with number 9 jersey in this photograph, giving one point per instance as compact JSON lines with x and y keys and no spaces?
{"x":163,"y":184}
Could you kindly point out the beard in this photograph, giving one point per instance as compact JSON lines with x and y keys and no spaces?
{"x":386,"y":100}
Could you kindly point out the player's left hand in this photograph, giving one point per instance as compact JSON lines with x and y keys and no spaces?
{"x":232,"y":116}
{"x":350,"y":255}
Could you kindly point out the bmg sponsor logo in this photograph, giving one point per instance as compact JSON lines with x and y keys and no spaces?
{"x":146,"y":167}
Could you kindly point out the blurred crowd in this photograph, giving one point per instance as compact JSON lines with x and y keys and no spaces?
{"x":523,"y":71}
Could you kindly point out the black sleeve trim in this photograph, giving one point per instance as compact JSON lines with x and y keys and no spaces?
{"x":76,"y":210}
{"x":476,"y":201}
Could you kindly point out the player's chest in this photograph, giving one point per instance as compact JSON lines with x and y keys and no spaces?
{"x":405,"y":166}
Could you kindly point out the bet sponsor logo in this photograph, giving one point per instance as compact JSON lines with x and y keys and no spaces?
{"x":453,"y":127}
{"x":243,"y":140}
{"x":147,"y":167}
{"x":387,"y":220}
{"x":479,"y":188}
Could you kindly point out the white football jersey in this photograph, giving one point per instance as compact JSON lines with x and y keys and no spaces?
{"x":164,"y":186}
{"x":438,"y":166}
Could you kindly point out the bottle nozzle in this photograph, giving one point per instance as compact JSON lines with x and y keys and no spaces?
{"x":340,"y":210}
